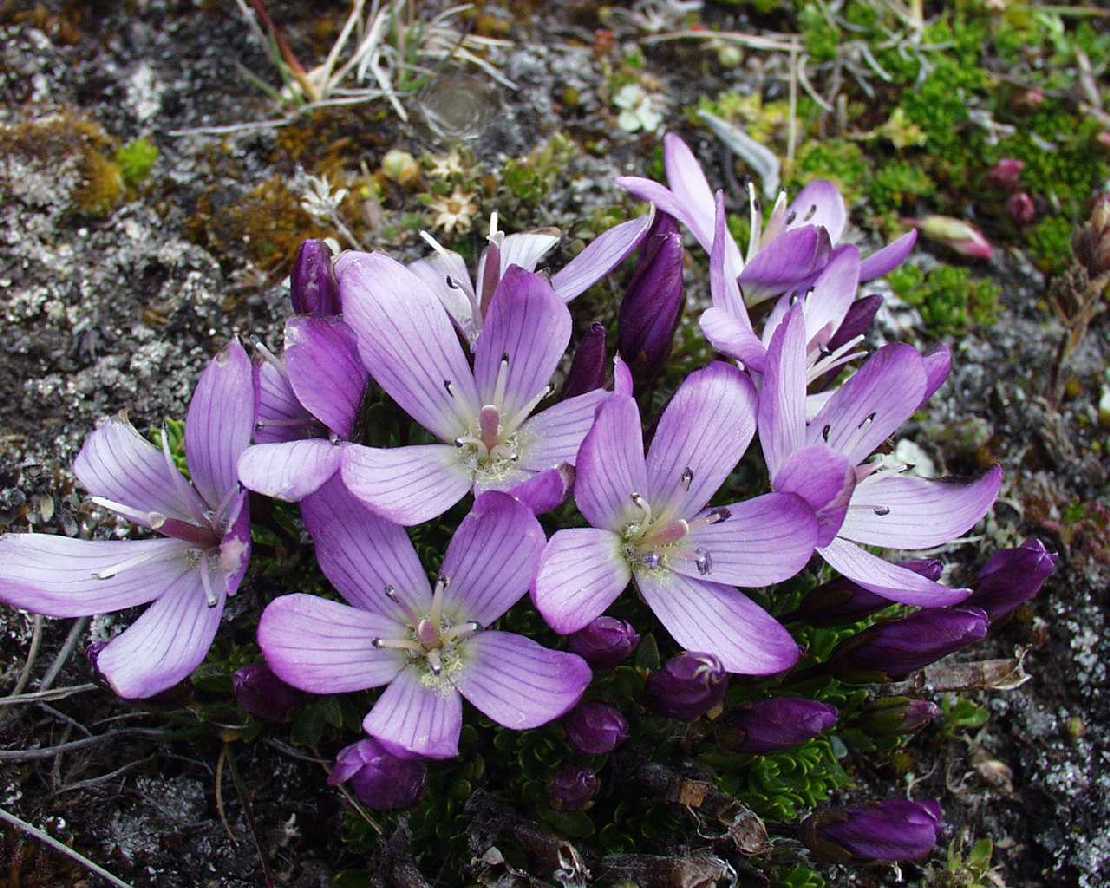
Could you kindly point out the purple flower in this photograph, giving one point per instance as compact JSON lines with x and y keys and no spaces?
{"x":1011,"y":578}
{"x":893,"y":830}
{"x":821,"y":460}
{"x":890,"y":651}
{"x":1021,"y":208}
{"x":688,"y":686}
{"x":381,"y":781}
{"x":573,"y":788}
{"x":895,"y":716}
{"x":312,"y":286}
{"x":650,"y":522}
{"x":482,"y":416}
{"x":1006,"y":173}
{"x":445,"y":275}
{"x":587,"y":370}
{"x":188,"y":574}
{"x":263,"y":694}
{"x":605,"y":642}
{"x":595,"y":728}
{"x":430,"y":647}
{"x":776,"y":724}
{"x":308,"y":406}
{"x":842,"y":601}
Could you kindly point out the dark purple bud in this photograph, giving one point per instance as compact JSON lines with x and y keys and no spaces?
{"x":264,"y":695}
{"x":888,"y":831}
{"x":892,"y":650}
{"x":773,"y":725}
{"x":605,"y":642}
{"x":595,"y":728}
{"x":1011,"y":578}
{"x":652,"y":306}
{"x":841,"y":601}
{"x":312,"y":284}
{"x":857,"y":321}
{"x":380,"y":781}
{"x":1006,"y":173}
{"x":895,"y":716}
{"x":1021,"y":208}
{"x":573,"y":788}
{"x":688,"y":686}
{"x":587,"y":370}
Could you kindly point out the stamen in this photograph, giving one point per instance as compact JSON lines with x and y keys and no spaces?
{"x":643,"y":505}
{"x":450,"y":281}
{"x":882,"y":511}
{"x":269,"y":357}
{"x":687,"y":478}
{"x":278,"y":423}
{"x":219,"y":517}
{"x":434,"y":661}
{"x":210,"y":595}
{"x":153,"y":520}
{"x":493,"y":225}
{"x":790,"y":217}
{"x":396,"y":644}
{"x":107,"y":573}
{"x":461,"y":631}
{"x":718,"y":515}
{"x":703,"y":560}
{"x":434,"y":244}
{"x":468,"y":440}
{"x":651,"y":559}
{"x":502,"y":382}
{"x":825,"y":433}
{"x":524,"y":412}
{"x":436,"y":612}
{"x":447,"y":386}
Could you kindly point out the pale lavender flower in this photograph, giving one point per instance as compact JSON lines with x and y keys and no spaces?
{"x":431,"y":648}
{"x":650,"y":522}
{"x":188,"y":574}
{"x":860,"y":504}
{"x":482,"y":416}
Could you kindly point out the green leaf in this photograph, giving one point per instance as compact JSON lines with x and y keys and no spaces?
{"x":647,"y":653}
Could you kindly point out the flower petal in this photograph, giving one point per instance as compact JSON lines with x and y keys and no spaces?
{"x":326,"y":647}
{"x":600,"y":256}
{"x":552,"y":437}
{"x":718,"y":620}
{"x":825,"y":479}
{"x":220,"y":422}
{"x":325,"y":370}
{"x":412,"y":718}
{"x":518,"y":683}
{"x":610,"y":466}
{"x":279,"y":416}
{"x":731,"y":338}
{"x":724,"y":268}
{"x":819,"y":203}
{"x":546,"y":490}
{"x":782,"y":401}
{"x":407,"y":341}
{"x":886,"y":579}
{"x":581,"y":572}
{"x":938,"y":364}
{"x":527,"y":248}
{"x":765,"y":540}
{"x":687,"y":181}
{"x":445,"y":274}
{"x":289,"y":471}
{"x":491,"y":559}
{"x":833,"y":292}
{"x":899,"y":512}
{"x":786,"y":262}
{"x":363,"y":553}
{"x":868,"y":408}
{"x":701,"y":436}
{"x":57,"y":576}
{"x":409,"y":485}
{"x":665,"y":200}
{"x":884,"y":261}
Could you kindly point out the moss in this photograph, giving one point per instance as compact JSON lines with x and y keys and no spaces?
{"x":839,"y":160}
{"x":135,"y":160}
{"x":529,"y":180}
{"x":897,"y":185}
{"x":1050,"y":244}
{"x":102,"y":187}
{"x":950,"y":299}
{"x":821,"y":39}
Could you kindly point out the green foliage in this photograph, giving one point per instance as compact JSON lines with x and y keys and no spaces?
{"x":961,"y":714}
{"x":783,"y":786}
{"x":838,"y":160}
{"x":821,"y":38}
{"x":1050,"y":244}
{"x":950,"y":299}
{"x":897,"y":185}
{"x":136,"y":159}
{"x":530,"y":179}
{"x":801,"y":877}
{"x":175,"y":434}
{"x":970,"y":869}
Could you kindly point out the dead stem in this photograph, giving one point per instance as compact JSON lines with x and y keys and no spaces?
{"x":65,"y":850}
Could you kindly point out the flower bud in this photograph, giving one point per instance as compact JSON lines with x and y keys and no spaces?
{"x":380,"y":781}
{"x":263,"y":694}
{"x":587,"y":370}
{"x":595,"y":728}
{"x":857,"y":321}
{"x":400,"y":167}
{"x":688,"y":686}
{"x":1092,"y":241}
{"x":312,"y":284}
{"x":573,"y":788}
{"x":774,"y":725}
{"x":605,"y":642}
{"x":1006,"y":173}
{"x":1011,"y":578}
{"x":961,"y":236}
{"x":1029,"y":99}
{"x":891,"y":651}
{"x":895,"y":716}
{"x":1021,"y":208}
{"x":841,"y":601}
{"x":652,"y":306}
{"x":888,"y":831}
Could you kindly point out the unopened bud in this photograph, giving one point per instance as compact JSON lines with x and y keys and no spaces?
{"x":841,"y":601}
{"x":1006,"y":173}
{"x":400,"y":167}
{"x":605,"y":642}
{"x":312,"y":285}
{"x":573,"y":788}
{"x":1021,"y":208}
{"x":652,"y":307}
{"x":1012,"y":577}
{"x":381,"y":781}
{"x":587,"y":369}
{"x":956,"y":234}
{"x":263,"y":694}
{"x":888,"y":831}
{"x":688,"y":686}
{"x":774,"y":725}
{"x":595,"y":728}
{"x":895,"y":716}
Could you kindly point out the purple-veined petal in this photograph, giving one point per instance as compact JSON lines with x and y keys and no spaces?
{"x":901,"y":512}
{"x":623,"y":383}
{"x":938,"y":364}
{"x":687,"y":181}
{"x":289,"y":471}
{"x":881,"y":395}
{"x":167,"y":643}
{"x":723,"y":270}
{"x":719,"y":620}
{"x":407,"y":342}
{"x":581,"y":572}
{"x":527,"y":248}
{"x":363,"y":554}
{"x":235,"y":546}
{"x":120,"y":465}
{"x":764,"y":540}
{"x":731,"y":338}
{"x":524,"y":335}
{"x":445,"y":274}
{"x":326,"y":647}
{"x":782,"y":401}
{"x":888,"y":580}
{"x":518,"y":683}
{"x":665,"y":200}
{"x":409,"y":485}
{"x":491,"y":559}
{"x":610,"y":466}
{"x":545,"y":490}
{"x":220,"y":422}
{"x":701,"y":436}
{"x":819,"y":203}
{"x":412,"y":718}
{"x":833,"y":292}
{"x":789,"y":260}
{"x":279,"y":416}
{"x":60,"y":576}
{"x":552,"y":437}
{"x":825,"y":479}
{"x":884,"y":261}
{"x":600,"y":256}
{"x":325,"y":371}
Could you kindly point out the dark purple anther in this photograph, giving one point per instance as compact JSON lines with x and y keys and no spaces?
{"x":573,"y":788}
{"x":595,"y":728}
{"x":380,"y":781}
{"x":587,"y":370}
{"x":888,"y":831}
{"x":312,"y":284}
{"x":841,"y":601}
{"x":264,"y":695}
{"x":605,"y":642}
{"x":774,"y":725}
{"x":1011,"y":578}
{"x":895,"y":716}
{"x":688,"y":686}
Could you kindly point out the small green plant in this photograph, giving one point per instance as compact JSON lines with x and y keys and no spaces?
{"x":136,"y":159}
{"x":961,"y":714}
{"x":951,"y":300}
